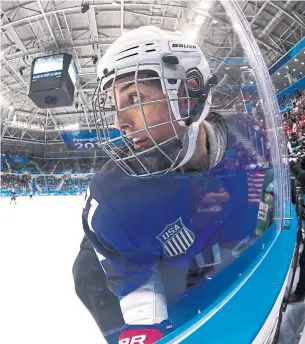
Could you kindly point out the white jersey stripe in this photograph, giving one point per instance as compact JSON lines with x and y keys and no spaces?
{"x":190,"y":239}
{"x":168,"y":243}
{"x":181,"y":242}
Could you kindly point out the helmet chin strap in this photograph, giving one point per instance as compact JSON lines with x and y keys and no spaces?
{"x":193,"y":131}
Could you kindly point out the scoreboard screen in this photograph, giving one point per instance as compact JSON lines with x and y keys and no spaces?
{"x":47,"y":64}
{"x":53,"y":80}
{"x":72,"y":72}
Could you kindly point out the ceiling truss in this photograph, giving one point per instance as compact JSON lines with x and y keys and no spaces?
{"x":36,"y":28}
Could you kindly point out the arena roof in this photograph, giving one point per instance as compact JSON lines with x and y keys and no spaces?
{"x":37,"y":28}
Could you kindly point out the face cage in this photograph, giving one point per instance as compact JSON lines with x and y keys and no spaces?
{"x":115,"y":142}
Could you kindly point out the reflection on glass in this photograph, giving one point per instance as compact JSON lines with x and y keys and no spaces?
{"x":175,"y":215}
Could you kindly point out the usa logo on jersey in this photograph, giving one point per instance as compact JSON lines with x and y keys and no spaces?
{"x":176,"y":238}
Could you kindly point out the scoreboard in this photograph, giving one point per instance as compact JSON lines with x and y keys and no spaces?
{"x":53,"y":80}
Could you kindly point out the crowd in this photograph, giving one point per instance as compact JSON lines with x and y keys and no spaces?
{"x":294,"y":124}
{"x":48,"y":183}
{"x":240,"y":158}
{"x":55,"y":166}
{"x":45,"y":183}
{"x":15,"y":181}
{"x":76,"y":184}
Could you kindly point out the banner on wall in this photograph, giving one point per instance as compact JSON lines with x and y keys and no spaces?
{"x":85,"y":140}
{"x":22,"y":160}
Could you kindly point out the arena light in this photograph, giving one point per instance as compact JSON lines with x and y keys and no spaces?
{"x":73,"y":126}
{"x":3,"y":101}
{"x":191,"y":34}
{"x":199,"y":21}
{"x":205,"y":4}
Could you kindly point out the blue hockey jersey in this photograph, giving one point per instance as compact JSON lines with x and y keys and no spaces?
{"x":134,"y":223}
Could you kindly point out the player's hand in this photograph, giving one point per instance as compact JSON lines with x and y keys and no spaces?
{"x":143,"y":336}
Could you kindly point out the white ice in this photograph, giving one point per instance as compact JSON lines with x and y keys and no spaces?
{"x":39,"y":242}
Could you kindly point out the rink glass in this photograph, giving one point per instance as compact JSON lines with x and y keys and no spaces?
{"x":206,"y":226}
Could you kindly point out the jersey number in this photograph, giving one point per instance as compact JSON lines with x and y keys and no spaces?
{"x":92,"y":208}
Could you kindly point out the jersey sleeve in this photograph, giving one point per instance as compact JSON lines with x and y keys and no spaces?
{"x":124,"y":273}
{"x":132,"y":275}
{"x":125,"y":265}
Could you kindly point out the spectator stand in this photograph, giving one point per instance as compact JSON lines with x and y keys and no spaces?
{"x":45,"y":185}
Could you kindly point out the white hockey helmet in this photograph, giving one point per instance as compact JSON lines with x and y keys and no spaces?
{"x":174,"y":61}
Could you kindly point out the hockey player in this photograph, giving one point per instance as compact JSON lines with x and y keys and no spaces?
{"x":157,"y":211}
{"x":13,"y":196}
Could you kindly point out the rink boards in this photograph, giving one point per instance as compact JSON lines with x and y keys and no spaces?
{"x":248,"y":311}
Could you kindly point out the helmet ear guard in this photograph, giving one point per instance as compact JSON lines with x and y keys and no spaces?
{"x":204,"y":95}
{"x":201,"y":92}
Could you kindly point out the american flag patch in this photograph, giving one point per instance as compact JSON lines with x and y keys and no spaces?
{"x":255,"y":186}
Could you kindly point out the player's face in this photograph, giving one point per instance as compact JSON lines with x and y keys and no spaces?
{"x":156,"y":115}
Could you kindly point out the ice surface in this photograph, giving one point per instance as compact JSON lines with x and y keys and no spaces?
{"x":39,"y":242}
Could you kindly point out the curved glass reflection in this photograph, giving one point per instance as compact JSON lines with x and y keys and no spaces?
{"x":195,"y":178}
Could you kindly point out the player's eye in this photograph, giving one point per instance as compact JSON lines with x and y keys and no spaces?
{"x":133,"y":99}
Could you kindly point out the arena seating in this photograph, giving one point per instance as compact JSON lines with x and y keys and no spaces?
{"x":294,"y":122}
{"x":55,"y":166}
